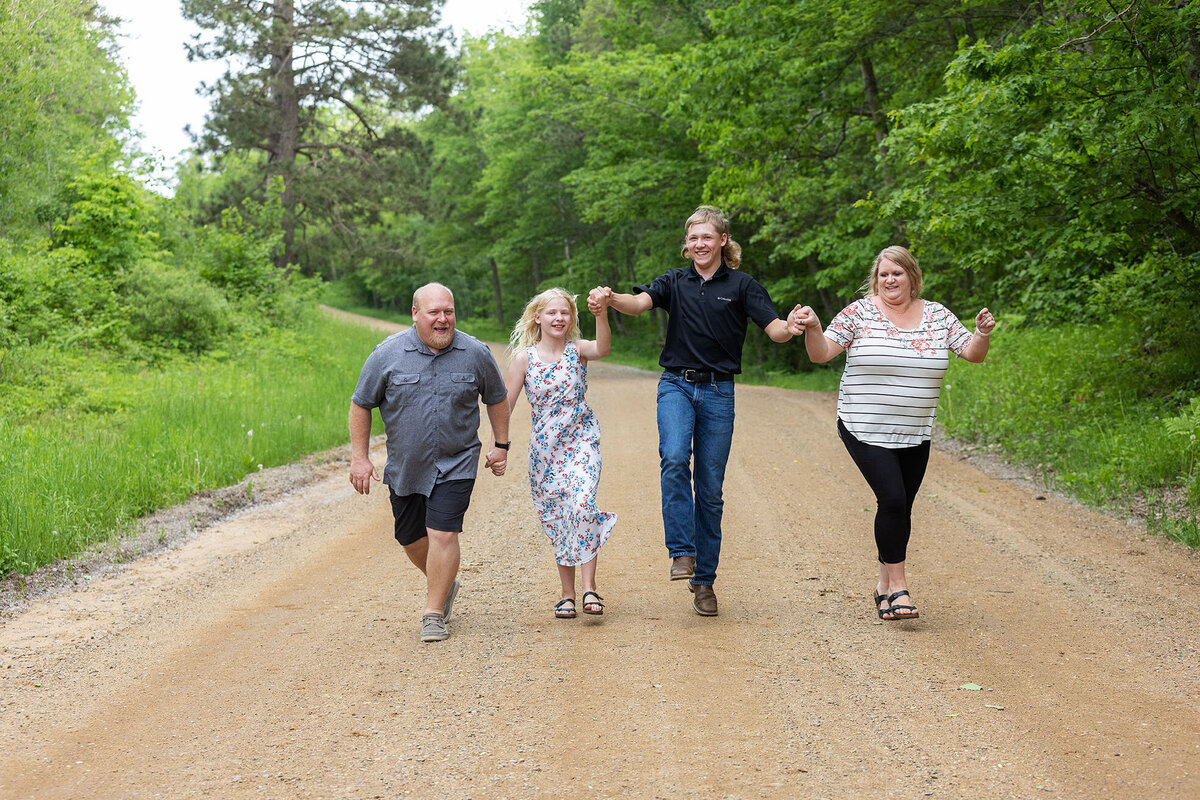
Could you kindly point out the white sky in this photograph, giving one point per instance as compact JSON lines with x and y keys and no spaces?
{"x":154,"y":33}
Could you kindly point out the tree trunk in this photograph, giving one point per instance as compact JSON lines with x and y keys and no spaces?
{"x":285,"y":136}
{"x":871,"y":93}
{"x":536,"y":269}
{"x":496,"y":291}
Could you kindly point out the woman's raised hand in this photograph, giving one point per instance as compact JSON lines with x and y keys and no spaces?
{"x":985,"y":322}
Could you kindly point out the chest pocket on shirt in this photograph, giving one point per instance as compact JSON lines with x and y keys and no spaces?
{"x":462,"y":385}
{"x":402,"y":388}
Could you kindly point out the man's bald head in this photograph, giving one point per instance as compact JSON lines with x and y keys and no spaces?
{"x":426,"y":293}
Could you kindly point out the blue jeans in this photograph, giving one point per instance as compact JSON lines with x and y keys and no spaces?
{"x":694,"y":418}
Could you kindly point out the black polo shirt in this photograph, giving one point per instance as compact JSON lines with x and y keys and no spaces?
{"x":706,"y":327}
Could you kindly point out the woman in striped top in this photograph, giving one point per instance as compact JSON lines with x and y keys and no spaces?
{"x":897,"y":352}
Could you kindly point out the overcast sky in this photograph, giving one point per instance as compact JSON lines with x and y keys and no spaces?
{"x":152,"y":43}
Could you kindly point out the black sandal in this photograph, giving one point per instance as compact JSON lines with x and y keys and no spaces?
{"x":564,"y":613}
{"x":892,"y":607}
{"x":595,"y":602}
{"x":879,"y":598}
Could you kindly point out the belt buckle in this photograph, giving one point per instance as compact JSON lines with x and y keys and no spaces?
{"x":689,"y":375}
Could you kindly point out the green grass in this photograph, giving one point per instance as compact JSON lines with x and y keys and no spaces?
{"x":71,"y":480}
{"x":86,"y":447}
{"x":1093,"y":412}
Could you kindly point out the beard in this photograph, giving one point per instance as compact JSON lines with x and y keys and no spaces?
{"x":440,"y":341}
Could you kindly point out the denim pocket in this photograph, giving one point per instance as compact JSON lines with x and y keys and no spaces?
{"x":724,"y":388}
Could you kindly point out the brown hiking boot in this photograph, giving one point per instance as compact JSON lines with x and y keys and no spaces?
{"x":683,"y":567}
{"x":705,"y":601}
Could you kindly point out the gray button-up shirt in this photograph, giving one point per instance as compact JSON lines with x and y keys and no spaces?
{"x":430,"y":407}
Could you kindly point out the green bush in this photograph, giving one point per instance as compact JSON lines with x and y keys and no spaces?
{"x":237,"y":256}
{"x":110,"y":221}
{"x":55,"y":295}
{"x":172,"y":308}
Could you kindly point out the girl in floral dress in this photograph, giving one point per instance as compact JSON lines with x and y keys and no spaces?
{"x":550,"y":363}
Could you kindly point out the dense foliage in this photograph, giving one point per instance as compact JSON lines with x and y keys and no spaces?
{"x":93,"y":267}
{"x":1040,"y":158}
{"x":64,"y":102}
{"x":98,"y":274}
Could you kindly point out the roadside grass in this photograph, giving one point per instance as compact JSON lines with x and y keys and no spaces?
{"x":1094,"y":412}
{"x":1080,"y":405}
{"x":70,"y":480}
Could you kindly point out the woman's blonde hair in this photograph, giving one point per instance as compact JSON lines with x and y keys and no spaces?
{"x":905,"y":260}
{"x":527,"y":332}
{"x":731,"y":253}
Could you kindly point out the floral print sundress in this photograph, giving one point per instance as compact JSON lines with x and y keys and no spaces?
{"x":564,"y":457}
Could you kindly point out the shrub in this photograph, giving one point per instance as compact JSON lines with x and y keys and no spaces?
{"x":55,"y":295}
{"x":173,"y":308}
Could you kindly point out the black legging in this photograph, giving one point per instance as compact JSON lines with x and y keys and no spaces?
{"x":895,"y":476}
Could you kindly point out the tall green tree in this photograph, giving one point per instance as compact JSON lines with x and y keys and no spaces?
{"x":64,"y":101}
{"x":318,"y":88}
{"x":1061,"y":165}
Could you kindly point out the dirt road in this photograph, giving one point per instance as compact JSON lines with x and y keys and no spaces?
{"x":276,"y":654}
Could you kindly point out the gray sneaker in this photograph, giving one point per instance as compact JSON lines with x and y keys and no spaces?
{"x":433,"y":628}
{"x":449,"y":604}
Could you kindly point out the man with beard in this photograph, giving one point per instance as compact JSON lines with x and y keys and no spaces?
{"x":427,"y":382}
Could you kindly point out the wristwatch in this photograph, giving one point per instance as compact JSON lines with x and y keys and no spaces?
{"x":504,"y":446}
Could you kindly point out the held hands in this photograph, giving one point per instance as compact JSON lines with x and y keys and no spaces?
{"x":599,"y":299}
{"x":984,"y":322}
{"x":362,"y":472}
{"x":806,"y":319}
{"x":497,"y":459}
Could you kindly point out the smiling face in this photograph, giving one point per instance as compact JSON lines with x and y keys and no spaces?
{"x":556,"y":318}
{"x":892,"y":283}
{"x":433,"y":317}
{"x":704,"y":245}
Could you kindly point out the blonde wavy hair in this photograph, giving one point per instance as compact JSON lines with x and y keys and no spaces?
{"x":731,"y":253}
{"x":901,"y":257}
{"x":527,"y":332}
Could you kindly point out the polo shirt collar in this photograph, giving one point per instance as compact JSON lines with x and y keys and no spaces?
{"x":721,"y":271}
